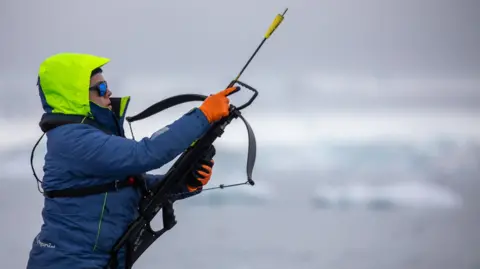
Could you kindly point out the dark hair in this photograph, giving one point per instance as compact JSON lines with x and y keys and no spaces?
{"x":96,"y":71}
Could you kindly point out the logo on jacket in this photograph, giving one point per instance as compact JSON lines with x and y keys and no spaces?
{"x":43,"y":244}
{"x":159,"y":132}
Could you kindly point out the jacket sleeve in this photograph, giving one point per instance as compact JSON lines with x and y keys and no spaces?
{"x":178,"y":194}
{"x":100,"y":155}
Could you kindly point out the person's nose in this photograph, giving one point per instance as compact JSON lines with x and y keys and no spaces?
{"x":109,"y":93}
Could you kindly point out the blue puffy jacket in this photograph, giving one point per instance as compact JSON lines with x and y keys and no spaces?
{"x":80,"y":232}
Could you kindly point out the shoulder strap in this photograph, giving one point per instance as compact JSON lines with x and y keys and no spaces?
{"x":51,"y":121}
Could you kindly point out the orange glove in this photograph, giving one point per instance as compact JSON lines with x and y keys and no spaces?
{"x":216,"y":106}
{"x":201,"y":177}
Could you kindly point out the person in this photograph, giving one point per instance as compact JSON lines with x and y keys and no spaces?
{"x":79,"y":231}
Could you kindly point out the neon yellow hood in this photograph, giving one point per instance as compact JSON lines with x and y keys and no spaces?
{"x":64,"y":80}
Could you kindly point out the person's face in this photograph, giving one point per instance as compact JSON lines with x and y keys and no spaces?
{"x":95,"y":94}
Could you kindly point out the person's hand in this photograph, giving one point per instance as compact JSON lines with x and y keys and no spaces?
{"x":200,"y":176}
{"x":216,"y":106}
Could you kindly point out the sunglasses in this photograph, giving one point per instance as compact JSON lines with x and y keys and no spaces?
{"x":101,"y":87}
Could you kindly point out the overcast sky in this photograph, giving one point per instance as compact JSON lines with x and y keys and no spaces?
{"x":381,"y":37}
{"x":408,"y":51}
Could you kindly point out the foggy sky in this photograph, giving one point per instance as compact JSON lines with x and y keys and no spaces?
{"x":326,"y":54}
{"x":428,"y":37}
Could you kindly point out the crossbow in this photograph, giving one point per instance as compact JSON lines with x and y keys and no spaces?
{"x":140,"y":235}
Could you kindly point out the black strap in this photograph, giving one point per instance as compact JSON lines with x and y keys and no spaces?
{"x":51,"y":121}
{"x":90,"y":190}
